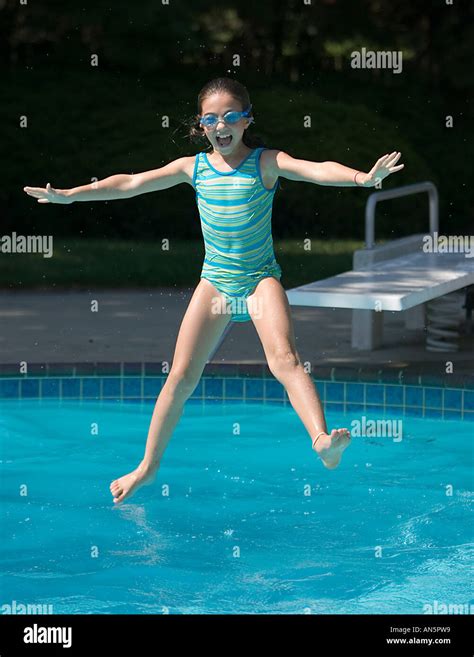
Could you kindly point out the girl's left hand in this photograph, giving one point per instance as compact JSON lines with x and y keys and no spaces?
{"x":383,"y":168}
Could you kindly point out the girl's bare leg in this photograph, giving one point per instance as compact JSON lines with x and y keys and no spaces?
{"x":270,"y":312}
{"x":198,"y":335}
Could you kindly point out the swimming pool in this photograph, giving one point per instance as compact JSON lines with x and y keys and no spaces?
{"x":243,"y":517}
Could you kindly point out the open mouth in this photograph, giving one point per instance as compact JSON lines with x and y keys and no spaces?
{"x":224,"y":141}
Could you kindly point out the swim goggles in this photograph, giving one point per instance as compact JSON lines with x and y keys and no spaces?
{"x":210,"y":120}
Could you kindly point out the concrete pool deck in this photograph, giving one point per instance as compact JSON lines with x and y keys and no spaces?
{"x":141,"y":326}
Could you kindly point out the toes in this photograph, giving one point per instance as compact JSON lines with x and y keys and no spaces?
{"x":119,"y":498}
{"x":341,"y":437}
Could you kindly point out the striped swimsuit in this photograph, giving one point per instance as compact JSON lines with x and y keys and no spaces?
{"x":235,"y":211}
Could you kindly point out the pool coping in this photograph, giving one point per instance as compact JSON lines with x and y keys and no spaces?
{"x":237,"y":369}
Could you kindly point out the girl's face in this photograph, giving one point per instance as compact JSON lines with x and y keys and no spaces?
{"x":224,"y":137}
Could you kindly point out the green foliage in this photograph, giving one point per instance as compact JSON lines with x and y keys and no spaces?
{"x":107,"y":124}
{"x":81,"y":263}
{"x":86,"y":122}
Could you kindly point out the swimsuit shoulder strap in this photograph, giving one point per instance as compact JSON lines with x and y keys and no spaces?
{"x":198,"y":163}
{"x":257,"y":153}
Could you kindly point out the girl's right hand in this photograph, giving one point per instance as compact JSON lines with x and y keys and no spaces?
{"x":48,"y":194}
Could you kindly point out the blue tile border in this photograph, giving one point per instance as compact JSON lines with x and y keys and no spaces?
{"x":394,"y":394}
{"x":375,"y":393}
{"x":449,"y":414}
{"x":452,"y":398}
{"x":214,"y":387}
{"x":30,"y":387}
{"x":234,"y":388}
{"x":468,"y":400}
{"x":131,"y":384}
{"x":358,"y":373}
{"x":413,"y":396}
{"x":50,"y":388}
{"x":71,"y":388}
{"x":334,"y":391}
{"x":354,"y":392}
{"x":254,"y":389}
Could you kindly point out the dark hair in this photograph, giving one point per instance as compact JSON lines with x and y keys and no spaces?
{"x":239,"y":93}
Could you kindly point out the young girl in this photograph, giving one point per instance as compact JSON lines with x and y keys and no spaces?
{"x":235,"y":184}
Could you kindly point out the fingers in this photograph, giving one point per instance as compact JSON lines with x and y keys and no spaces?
{"x":387,"y":162}
{"x":40,"y":196}
{"x":41,"y":193}
{"x":34,"y":191}
{"x":50,"y":190}
{"x":40,"y":190}
{"x":391,"y":158}
{"x":381,"y":161}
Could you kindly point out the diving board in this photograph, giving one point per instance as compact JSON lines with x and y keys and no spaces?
{"x":397,"y":284}
{"x":396,"y":276}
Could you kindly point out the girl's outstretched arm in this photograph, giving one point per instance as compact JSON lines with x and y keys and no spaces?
{"x":120,"y":185}
{"x":332,"y":173}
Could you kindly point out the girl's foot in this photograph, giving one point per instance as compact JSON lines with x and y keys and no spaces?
{"x":330,"y":446}
{"x":127,"y":485}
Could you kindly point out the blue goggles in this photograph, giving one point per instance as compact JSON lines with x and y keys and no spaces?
{"x":210,"y":120}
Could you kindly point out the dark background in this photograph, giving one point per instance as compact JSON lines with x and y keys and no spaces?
{"x":86,"y":121}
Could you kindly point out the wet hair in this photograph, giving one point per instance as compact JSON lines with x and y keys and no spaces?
{"x":239,"y":93}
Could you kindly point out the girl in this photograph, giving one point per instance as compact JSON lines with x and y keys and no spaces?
{"x":235,"y":184}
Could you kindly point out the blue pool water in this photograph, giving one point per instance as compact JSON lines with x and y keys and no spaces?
{"x":236,"y":534}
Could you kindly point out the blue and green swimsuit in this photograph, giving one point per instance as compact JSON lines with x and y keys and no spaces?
{"x":235,"y":211}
